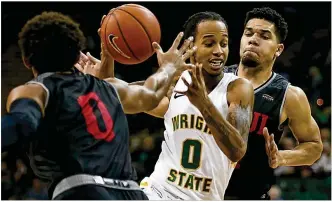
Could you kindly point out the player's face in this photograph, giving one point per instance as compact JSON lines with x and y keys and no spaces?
{"x":259,"y":43}
{"x":212,"y":46}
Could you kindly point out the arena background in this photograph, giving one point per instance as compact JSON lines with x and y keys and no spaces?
{"x":306,"y":62}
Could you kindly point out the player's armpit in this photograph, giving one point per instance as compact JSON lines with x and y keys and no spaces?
{"x":304,"y":129}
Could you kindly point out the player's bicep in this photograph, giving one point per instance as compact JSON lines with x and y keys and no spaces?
{"x":301,"y":123}
{"x":241,"y":100}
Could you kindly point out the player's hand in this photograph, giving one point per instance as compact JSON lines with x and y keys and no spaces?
{"x":196,"y":92}
{"x":175,"y":56}
{"x":272,"y":150}
{"x":88,"y":64}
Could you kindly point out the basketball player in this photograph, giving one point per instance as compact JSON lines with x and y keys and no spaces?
{"x":277,"y":103}
{"x":73,"y":125}
{"x":207,"y":121}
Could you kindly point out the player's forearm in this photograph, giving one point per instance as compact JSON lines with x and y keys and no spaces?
{"x":226,"y":136}
{"x":159,"y":83}
{"x":107,"y":70}
{"x":304,"y":154}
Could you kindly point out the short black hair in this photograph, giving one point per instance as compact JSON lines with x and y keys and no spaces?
{"x":51,"y":42}
{"x":270,"y":15}
{"x":190,"y":26}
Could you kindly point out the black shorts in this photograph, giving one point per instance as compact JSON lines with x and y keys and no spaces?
{"x":96,"y":192}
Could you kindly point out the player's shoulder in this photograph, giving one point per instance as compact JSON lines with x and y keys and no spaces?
{"x":240,"y":84}
{"x":295,"y":95}
{"x":31,"y":91}
{"x":278,"y":82}
{"x":240,"y":89}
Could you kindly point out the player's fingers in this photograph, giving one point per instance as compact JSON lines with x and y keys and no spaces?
{"x":83,"y":57}
{"x":90,"y":64}
{"x":157,"y":48}
{"x":189,"y":67}
{"x":185,"y":82}
{"x":194,"y":73}
{"x":200,"y":73}
{"x":189,"y":53}
{"x":266,"y":134}
{"x":177,"y":41}
{"x":81,"y":62}
{"x":186,"y":44}
{"x":92,"y":59}
{"x":271,"y":138}
{"x":273,"y":164}
{"x":267,"y":149}
{"x":98,"y":31}
{"x":274,"y":149}
{"x":79,"y":67}
{"x":102,"y":19}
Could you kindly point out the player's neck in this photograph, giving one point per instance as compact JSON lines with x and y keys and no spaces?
{"x":34,"y":72}
{"x":257,"y":76}
{"x":211,"y":81}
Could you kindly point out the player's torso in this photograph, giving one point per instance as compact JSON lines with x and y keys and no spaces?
{"x":191,"y":164}
{"x":84,"y":130}
{"x":253,"y":167}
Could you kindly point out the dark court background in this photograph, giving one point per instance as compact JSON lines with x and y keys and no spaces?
{"x":305,"y":62}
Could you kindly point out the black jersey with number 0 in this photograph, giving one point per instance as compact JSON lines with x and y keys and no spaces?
{"x":84,"y":130}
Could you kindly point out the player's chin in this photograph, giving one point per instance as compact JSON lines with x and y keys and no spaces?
{"x":215,"y":71}
{"x":250,"y":61}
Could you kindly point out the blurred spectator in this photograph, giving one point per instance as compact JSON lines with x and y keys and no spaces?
{"x":323,"y":166}
{"x":275,"y":193}
{"x":7,"y":183}
{"x":37,"y":192}
{"x":325,"y":134}
{"x":286,"y":143}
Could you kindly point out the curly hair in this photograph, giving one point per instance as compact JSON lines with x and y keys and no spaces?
{"x":190,"y":26}
{"x":51,"y":42}
{"x":270,"y":15}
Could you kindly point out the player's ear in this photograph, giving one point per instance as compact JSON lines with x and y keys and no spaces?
{"x":26,"y":62}
{"x":280,"y":48}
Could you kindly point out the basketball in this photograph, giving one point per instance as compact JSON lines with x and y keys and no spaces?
{"x":128,"y":32}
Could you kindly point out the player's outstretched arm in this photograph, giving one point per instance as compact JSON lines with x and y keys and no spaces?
{"x":25,"y":108}
{"x":304,"y":129}
{"x":230,"y":134}
{"x":142,"y":98}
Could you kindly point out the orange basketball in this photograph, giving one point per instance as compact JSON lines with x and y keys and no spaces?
{"x":128,"y":32}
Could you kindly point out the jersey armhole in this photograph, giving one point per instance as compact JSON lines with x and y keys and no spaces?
{"x":282,"y":106}
{"x":45,"y":88}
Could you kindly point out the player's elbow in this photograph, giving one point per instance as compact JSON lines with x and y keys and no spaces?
{"x":316,"y":151}
{"x":239,"y":154}
{"x":151,"y":102}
